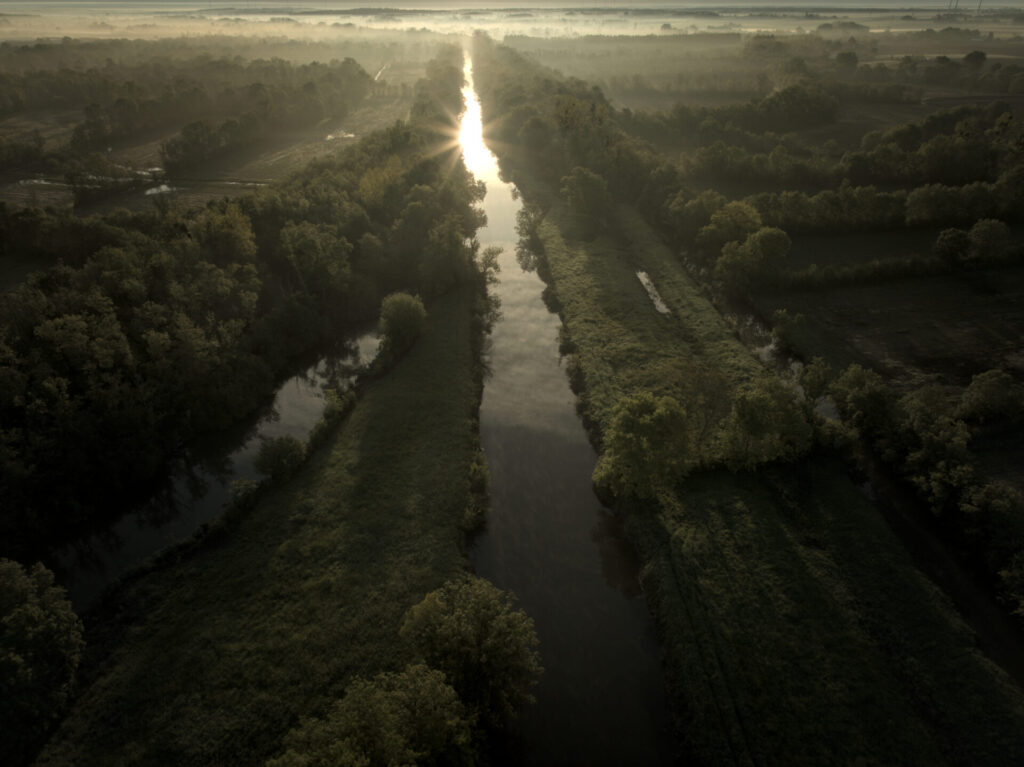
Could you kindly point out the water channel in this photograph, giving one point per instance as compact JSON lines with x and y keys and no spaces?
{"x":548,"y":540}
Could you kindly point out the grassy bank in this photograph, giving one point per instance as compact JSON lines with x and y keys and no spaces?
{"x":622,"y":344}
{"x":222,"y":653}
{"x":795,"y":628}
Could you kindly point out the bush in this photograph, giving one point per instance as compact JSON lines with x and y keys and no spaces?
{"x":402,"y":318}
{"x":487,"y":649}
{"x":992,"y":396}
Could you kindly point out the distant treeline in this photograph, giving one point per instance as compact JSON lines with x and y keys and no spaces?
{"x":223,"y":104}
{"x":161,"y":325}
{"x":258,"y":108}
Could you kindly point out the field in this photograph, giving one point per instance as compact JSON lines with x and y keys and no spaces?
{"x":795,"y":624}
{"x":215,"y":657}
{"x":858,"y":247}
{"x":949,"y":326}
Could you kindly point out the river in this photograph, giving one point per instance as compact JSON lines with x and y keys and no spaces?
{"x":548,"y":540}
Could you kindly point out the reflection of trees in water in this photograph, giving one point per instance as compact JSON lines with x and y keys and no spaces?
{"x":620,"y":566}
{"x":338,"y":369}
{"x":529,"y":247}
{"x":187,"y":481}
{"x":86,"y":553}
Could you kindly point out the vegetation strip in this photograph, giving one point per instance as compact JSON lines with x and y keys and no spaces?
{"x":784,"y":641}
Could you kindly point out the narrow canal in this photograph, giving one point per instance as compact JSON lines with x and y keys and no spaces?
{"x":602,"y":698}
{"x":198,"y":483}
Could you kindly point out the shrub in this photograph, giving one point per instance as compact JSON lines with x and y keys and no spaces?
{"x":402,"y":318}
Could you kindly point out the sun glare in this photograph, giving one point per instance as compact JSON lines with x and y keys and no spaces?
{"x":477,"y":156}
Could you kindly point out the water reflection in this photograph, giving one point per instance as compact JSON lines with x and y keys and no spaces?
{"x":619,"y":563}
{"x":601,"y":701}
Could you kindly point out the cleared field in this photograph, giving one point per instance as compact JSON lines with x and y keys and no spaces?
{"x":858,"y":248}
{"x":952,"y":326}
{"x":219,"y":654}
{"x":54,"y":127}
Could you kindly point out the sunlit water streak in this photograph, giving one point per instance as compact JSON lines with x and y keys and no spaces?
{"x":602,"y":700}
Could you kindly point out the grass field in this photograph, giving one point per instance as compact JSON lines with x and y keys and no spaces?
{"x":794,"y":626}
{"x":220,"y":654}
{"x":952,"y":325}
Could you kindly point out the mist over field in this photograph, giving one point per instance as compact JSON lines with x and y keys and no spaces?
{"x":509,"y":383}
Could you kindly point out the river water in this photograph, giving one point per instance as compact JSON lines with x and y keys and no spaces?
{"x":199,"y":482}
{"x":548,"y":540}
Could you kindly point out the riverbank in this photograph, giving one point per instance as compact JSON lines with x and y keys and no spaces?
{"x":216,"y":657}
{"x":794,"y":626}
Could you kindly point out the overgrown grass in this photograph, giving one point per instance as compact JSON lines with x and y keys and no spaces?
{"x":795,"y":628}
{"x":622,"y":343}
{"x":220,"y":654}
{"x":798,"y":631}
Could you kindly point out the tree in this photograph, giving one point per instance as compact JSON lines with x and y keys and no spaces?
{"x":758,"y":258}
{"x":732,"y":222}
{"x":865,"y":402}
{"x":402,"y":318}
{"x":646,"y":447}
{"x":975,"y":59}
{"x":40,"y":647}
{"x":815,"y":378}
{"x":846,"y":60}
{"x":318,"y":257}
{"x":224,"y":236}
{"x":989,"y":241}
{"x":767,"y":424}
{"x":1012,"y":577}
{"x":991,"y":395}
{"x":688,"y":217}
{"x":397,"y":720}
{"x":951,"y":245}
{"x":487,"y":649}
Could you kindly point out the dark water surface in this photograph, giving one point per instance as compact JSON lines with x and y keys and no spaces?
{"x":602,"y":697}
